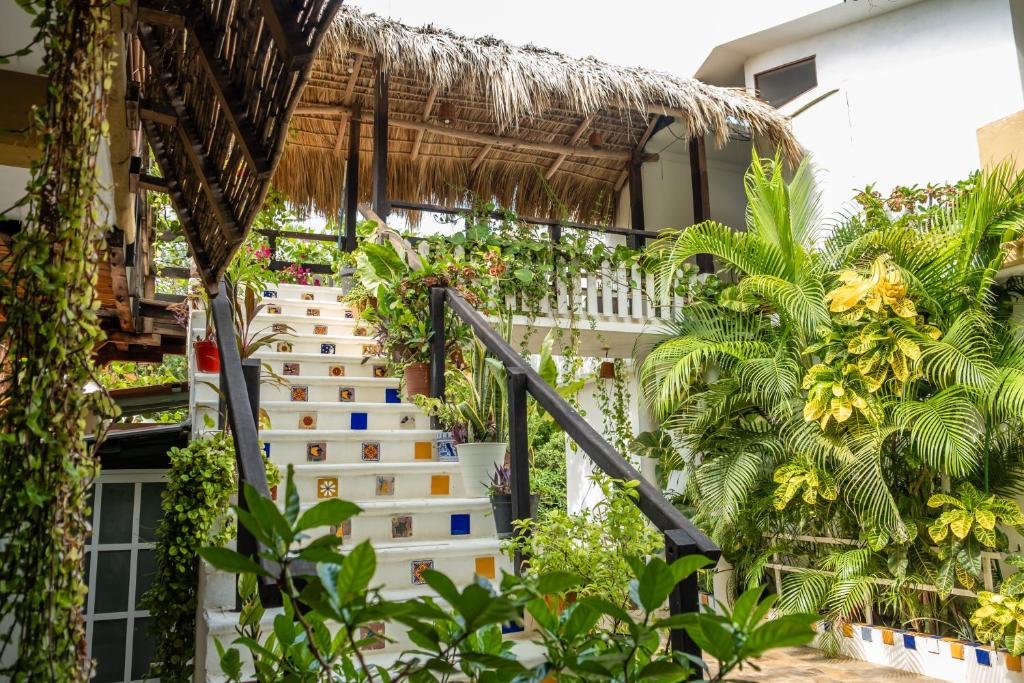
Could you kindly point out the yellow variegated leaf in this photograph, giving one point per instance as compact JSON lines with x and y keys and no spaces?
{"x":837,"y":389}
{"x":873,"y":303}
{"x":909,"y":348}
{"x":858,"y":402}
{"x":960,"y":523}
{"x":986,"y":536}
{"x":938,"y":531}
{"x":842,"y":409}
{"x":985,"y":518}
{"x":904,"y":308}
{"x":810,"y":496}
{"x":898,"y":363}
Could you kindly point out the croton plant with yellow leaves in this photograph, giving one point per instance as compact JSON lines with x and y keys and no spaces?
{"x":876,"y":337}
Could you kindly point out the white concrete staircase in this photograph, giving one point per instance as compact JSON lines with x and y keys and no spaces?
{"x":342,"y":422}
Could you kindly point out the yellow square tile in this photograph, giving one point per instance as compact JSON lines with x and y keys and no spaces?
{"x":327,"y":487}
{"x":485,"y":567}
{"x":439,"y":485}
{"x":424,"y":450}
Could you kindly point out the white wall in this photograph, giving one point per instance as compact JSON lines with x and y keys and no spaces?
{"x":914,"y":86}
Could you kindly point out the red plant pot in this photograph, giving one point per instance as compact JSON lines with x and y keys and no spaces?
{"x":417,"y":379}
{"x":207,"y":357}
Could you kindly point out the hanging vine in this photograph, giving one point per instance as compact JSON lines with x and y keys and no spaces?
{"x":47,"y":298}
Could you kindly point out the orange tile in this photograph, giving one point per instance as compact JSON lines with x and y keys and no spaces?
{"x":956,"y":648}
{"x":485,"y":567}
{"x":439,"y":485}
{"x":424,"y":450}
{"x":887,"y":636}
{"x":848,"y":630}
{"x":1012,"y":662}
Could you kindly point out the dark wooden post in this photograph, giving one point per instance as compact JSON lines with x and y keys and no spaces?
{"x":701,"y":195}
{"x":381,"y":205}
{"x":683,"y":599}
{"x":352,"y":181}
{"x":636,"y":202}
{"x":518,"y":445}
{"x":437,"y":342}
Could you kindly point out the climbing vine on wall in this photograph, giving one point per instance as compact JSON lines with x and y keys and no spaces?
{"x":49,"y":333}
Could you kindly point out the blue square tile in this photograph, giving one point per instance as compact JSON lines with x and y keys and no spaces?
{"x":984,"y":657}
{"x":266,"y":449}
{"x":865,"y":633}
{"x":460,"y":525}
{"x":391,"y":396}
{"x":909,"y":642}
{"x":269,"y":294}
{"x":359,"y":421}
{"x":327,"y":349}
{"x":511,"y":627}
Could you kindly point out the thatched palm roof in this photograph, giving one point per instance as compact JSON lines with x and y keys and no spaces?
{"x":486,"y":86}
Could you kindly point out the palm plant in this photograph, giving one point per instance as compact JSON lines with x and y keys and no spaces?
{"x":833,"y":389}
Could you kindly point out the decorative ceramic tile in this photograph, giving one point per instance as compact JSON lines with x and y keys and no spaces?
{"x":307,"y":421}
{"x":319,"y":329}
{"x":401,"y":526}
{"x":273,"y":309}
{"x":423,"y":450}
{"x":392,"y":396}
{"x":349,"y":314}
{"x":485,"y":567}
{"x":284,"y":347}
{"x":371,"y":636}
{"x":361,"y":332}
{"x":336,"y":371}
{"x":273,"y":492}
{"x":385,"y":485}
{"x":440,"y":485}
{"x":313,"y":312}
{"x":444,"y":444}
{"x":327,"y":487}
{"x":358,"y":421}
{"x":370,"y":349}
{"x":316,"y":451}
{"x":269,"y":294}
{"x":307,"y":296}
{"x":460,"y":524}
{"x":371,"y":451}
{"x":909,"y":642}
{"x":407,"y":422}
{"x":327,"y":349}
{"x":290,"y":369}
{"x":266,"y":449}
{"x":380,"y":371}
{"x":983,"y":656}
{"x":280,"y":328}
{"x":299,"y":393}
{"x":418,"y":567}
{"x":346,"y":394}
{"x":343,"y":530}
{"x":511,"y":627}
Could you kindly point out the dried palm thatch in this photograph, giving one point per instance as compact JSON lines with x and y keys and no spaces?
{"x":486,"y":86}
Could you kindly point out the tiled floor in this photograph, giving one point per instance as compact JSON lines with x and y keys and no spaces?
{"x":807,"y":665}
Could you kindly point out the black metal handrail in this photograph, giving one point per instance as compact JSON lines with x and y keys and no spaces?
{"x":682,"y":537}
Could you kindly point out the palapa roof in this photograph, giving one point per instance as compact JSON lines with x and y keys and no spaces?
{"x":486,"y":87}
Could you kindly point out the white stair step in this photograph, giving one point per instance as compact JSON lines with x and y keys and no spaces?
{"x":356,"y":416}
{"x":324,"y":364}
{"x":370,"y":447}
{"x":289,"y":290}
{"x":320,"y":388}
{"x":362,"y":481}
{"x":343,"y":344}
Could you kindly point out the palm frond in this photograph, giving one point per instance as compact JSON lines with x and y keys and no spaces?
{"x":944,"y":429}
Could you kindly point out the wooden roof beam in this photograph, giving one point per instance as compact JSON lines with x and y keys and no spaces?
{"x":427,"y":109}
{"x":291,"y":43}
{"x":580,"y":129}
{"x":483,"y":138}
{"x":231,"y":101}
{"x":484,"y":151}
{"x":346,"y":100}
{"x":639,"y":149}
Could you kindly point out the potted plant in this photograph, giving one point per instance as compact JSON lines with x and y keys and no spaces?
{"x":500,"y":490}
{"x":207,"y":354}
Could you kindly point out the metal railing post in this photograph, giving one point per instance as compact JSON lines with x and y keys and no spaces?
{"x":684,"y":598}
{"x":437,"y":342}
{"x":519,"y":461}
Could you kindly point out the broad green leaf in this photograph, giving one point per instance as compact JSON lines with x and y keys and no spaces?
{"x":230,"y":561}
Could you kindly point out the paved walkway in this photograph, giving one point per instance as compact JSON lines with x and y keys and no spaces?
{"x":807,"y":665}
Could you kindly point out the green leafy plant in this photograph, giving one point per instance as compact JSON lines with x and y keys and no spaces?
{"x":324,"y":625}
{"x":200,"y":482}
{"x":999,"y":619}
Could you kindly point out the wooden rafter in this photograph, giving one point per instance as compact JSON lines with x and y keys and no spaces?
{"x":638,"y":151}
{"x":346,"y":99}
{"x":427,"y":108}
{"x":481,"y":155}
{"x":584,"y":124}
{"x":291,"y":44}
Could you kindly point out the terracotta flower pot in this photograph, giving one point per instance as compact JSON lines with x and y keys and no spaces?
{"x":607,"y":370}
{"x":417,"y":379}
{"x":207,"y":357}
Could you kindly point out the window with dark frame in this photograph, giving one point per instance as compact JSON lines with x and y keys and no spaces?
{"x":784,"y":83}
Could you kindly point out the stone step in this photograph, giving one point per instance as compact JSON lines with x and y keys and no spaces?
{"x":421,"y":524}
{"x":313,"y":415}
{"x":370,"y":480}
{"x":293,"y":446}
{"x":324,"y":389}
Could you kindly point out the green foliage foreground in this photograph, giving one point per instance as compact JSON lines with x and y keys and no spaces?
{"x":867,"y":387}
{"x":328,"y":619}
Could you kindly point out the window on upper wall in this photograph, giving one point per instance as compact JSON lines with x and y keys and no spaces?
{"x":783,"y":83}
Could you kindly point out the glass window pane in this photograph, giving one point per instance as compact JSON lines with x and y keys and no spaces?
{"x":116,"y":513}
{"x":149,"y":510}
{"x":779,"y":86}
{"x":108,"y":644}
{"x":145,"y":571}
{"x":143,"y":647}
{"x":112,"y":570}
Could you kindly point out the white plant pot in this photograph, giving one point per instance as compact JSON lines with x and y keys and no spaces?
{"x":477,"y":462}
